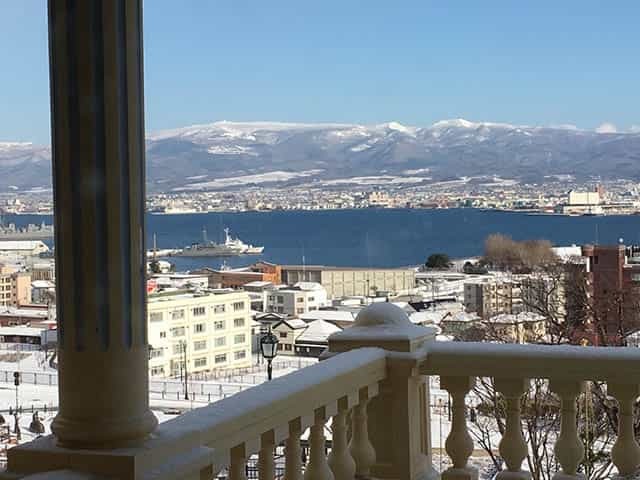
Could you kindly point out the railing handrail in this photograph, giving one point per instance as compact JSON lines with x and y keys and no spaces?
{"x":479,"y":359}
{"x":244,"y":417}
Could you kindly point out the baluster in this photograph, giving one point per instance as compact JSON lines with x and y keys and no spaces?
{"x":266,"y":463}
{"x":340,"y":460}
{"x":459,"y":444}
{"x":293,"y":452}
{"x":360,"y":447}
{"x":238,"y":467}
{"x":513,"y":447}
{"x":625,"y":452}
{"x":568,"y":448}
{"x":318,"y":468}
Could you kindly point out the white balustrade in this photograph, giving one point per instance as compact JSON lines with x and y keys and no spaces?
{"x":318,"y":467}
{"x":459,"y":444}
{"x":568,"y":449}
{"x":625,"y":452}
{"x":513,"y":447}
{"x":360,"y":446}
{"x":340,"y":460}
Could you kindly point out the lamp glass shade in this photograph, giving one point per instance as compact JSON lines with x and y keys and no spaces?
{"x":269,"y":346}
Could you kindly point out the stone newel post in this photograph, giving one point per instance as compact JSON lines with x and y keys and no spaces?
{"x":398,"y":418}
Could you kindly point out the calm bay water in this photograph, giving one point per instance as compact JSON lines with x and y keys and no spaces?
{"x":372,"y":237}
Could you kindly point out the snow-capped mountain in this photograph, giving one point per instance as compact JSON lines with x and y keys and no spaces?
{"x":227,"y":154}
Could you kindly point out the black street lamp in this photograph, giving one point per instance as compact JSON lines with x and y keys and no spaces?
{"x":269,"y":349}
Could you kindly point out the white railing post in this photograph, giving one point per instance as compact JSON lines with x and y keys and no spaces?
{"x":340,"y":459}
{"x":266,"y":463}
{"x":293,"y":452}
{"x":513,"y":447}
{"x":398,"y":417}
{"x":459,"y":444}
{"x":625,"y":452}
{"x":318,"y":468}
{"x":360,"y":446}
{"x":238,"y":466}
{"x":569,"y":449}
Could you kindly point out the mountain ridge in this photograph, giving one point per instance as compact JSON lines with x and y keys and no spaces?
{"x":445,"y":149}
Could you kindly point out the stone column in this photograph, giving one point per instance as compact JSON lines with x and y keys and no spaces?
{"x":398,"y":418}
{"x":97,"y":118}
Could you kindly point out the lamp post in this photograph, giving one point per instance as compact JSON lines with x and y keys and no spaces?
{"x":269,"y":349}
{"x":186,"y":373}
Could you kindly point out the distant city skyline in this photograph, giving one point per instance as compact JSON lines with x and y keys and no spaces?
{"x":417,"y":62}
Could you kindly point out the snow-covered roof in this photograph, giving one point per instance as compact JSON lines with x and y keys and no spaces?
{"x":22,"y":331}
{"x":258,"y":284}
{"x":331,"y":315}
{"x":23,"y":245}
{"x":522,"y":317}
{"x":24,"y":312}
{"x":318,"y":331}
{"x":42,"y":284}
{"x":309,"y":286}
{"x":294,"y":323}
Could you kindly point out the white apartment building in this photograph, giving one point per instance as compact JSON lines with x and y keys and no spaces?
{"x":209,"y":330}
{"x":492,"y":296}
{"x":302,"y":298}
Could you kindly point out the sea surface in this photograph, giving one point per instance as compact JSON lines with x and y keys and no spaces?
{"x":371,"y":237}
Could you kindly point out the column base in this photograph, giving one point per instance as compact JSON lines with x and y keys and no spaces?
{"x":100,"y":434}
{"x":468,"y":473}
{"x":508,"y":475}
{"x":566,"y":476}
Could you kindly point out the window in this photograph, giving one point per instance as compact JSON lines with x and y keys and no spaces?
{"x":200,"y":362}
{"x":177,"y":315}
{"x":299,"y":310}
{"x":311,"y":309}
{"x":280,"y":310}
{"x":177,"y":332}
{"x":218,"y":309}
{"x":280,"y":299}
{"x":218,"y":325}
{"x":221,"y":341}
{"x":221,"y":358}
{"x":283,"y":334}
{"x":238,"y":306}
{"x":157,"y":371}
{"x":287,"y":347}
{"x":163,"y":334}
{"x":155,"y":316}
{"x":272,"y":298}
{"x":310,"y":299}
{"x":299,"y":299}
{"x":199,"y":327}
{"x":238,"y":322}
{"x":199,"y":311}
{"x":239,"y":338}
{"x":200,"y":345}
{"x":156,"y":352}
{"x":240,"y":354}
{"x":177,"y":348}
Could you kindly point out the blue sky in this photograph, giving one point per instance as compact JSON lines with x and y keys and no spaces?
{"x":414,"y":61}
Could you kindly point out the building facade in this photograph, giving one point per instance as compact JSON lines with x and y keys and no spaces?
{"x":15,"y":287}
{"x":303,"y":298}
{"x":351,"y":281}
{"x":492,"y":297}
{"x":198,"y":332}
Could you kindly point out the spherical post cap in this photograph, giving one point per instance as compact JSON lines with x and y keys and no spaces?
{"x":382,"y":315}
